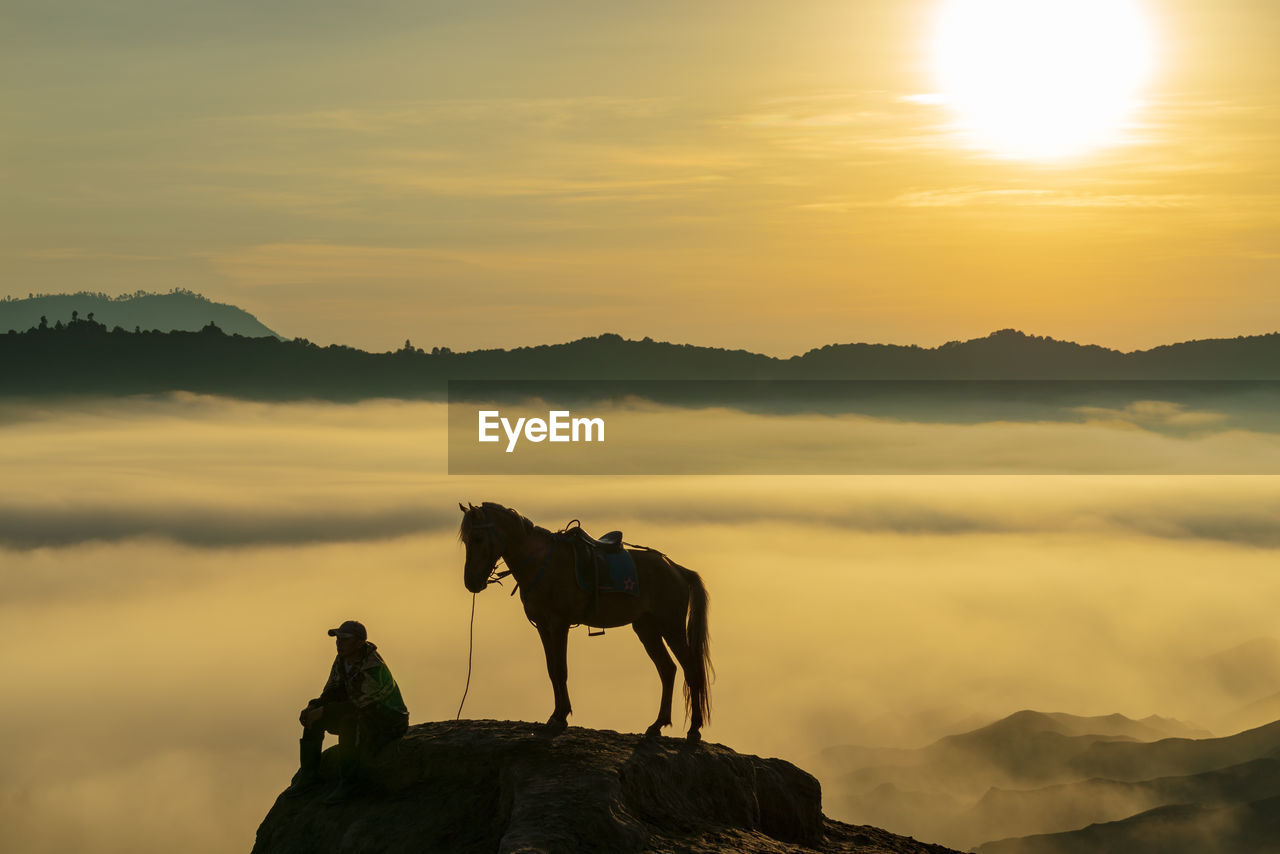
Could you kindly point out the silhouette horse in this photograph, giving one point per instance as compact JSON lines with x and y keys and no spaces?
{"x":542,"y":563}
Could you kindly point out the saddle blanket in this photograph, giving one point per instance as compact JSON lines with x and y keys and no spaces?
{"x":614,"y":572}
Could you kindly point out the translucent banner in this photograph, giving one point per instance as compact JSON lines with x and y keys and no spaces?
{"x":863,"y":427}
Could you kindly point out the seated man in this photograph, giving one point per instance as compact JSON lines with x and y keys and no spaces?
{"x":361,"y":704}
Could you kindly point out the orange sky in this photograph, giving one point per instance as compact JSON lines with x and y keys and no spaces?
{"x":746,"y":174}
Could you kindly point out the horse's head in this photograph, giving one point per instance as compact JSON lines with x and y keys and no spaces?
{"x":482,"y":535}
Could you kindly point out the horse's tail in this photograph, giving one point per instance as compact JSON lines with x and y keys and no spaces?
{"x":697,"y":685}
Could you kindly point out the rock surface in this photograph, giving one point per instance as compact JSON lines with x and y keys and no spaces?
{"x":495,"y":786}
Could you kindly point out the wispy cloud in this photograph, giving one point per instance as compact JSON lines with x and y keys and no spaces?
{"x":286,"y":263}
{"x":209,"y":472}
{"x":386,"y":118}
{"x":997,"y":199}
{"x":553,"y":150}
{"x":74,"y":253}
{"x":1155,"y":412}
{"x":980,"y":197}
{"x":844,"y":123}
{"x":392,"y":266}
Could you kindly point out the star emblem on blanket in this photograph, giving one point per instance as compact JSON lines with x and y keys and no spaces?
{"x":629,"y":584}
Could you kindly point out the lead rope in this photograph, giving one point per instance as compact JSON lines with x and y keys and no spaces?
{"x":471,"y":634}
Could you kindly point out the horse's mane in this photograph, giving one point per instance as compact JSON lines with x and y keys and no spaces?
{"x":524,"y":521}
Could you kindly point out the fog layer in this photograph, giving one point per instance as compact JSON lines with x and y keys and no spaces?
{"x":170,"y":567}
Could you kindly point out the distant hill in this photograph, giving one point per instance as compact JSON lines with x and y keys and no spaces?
{"x":1006,"y":354}
{"x":179,"y":309}
{"x":1010,"y":354}
{"x":97,"y":358}
{"x":1006,"y":813}
{"x":1020,"y":724}
{"x":1025,"y":748}
{"x":1250,"y":828}
{"x":1253,"y":714}
{"x":1175,"y":756}
{"x":1037,"y":773}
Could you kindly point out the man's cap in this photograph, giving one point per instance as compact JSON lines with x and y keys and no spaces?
{"x":350,"y":627}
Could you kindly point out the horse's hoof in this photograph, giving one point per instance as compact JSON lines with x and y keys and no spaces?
{"x":557,"y":725}
{"x":694,"y":737}
{"x":653,"y":731}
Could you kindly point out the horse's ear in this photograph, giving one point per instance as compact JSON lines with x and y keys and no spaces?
{"x":460,"y":507}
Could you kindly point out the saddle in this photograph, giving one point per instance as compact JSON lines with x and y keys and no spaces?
{"x":609,"y":543}
{"x":601,"y":566}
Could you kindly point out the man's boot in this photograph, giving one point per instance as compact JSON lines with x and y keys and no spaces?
{"x":308,"y":768}
{"x":348,"y":776}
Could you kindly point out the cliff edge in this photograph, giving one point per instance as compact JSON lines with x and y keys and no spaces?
{"x":501,"y":786}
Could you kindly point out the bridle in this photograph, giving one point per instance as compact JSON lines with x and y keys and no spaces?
{"x":497,"y":545}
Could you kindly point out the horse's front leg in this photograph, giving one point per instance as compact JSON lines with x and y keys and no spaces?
{"x":555,"y":644}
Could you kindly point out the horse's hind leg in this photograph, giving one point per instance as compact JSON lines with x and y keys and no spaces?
{"x":694,"y":679}
{"x":651,"y":636}
{"x":555,"y":644}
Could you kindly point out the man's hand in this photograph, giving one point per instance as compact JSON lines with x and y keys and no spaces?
{"x":310,"y":715}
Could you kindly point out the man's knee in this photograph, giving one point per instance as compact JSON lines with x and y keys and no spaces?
{"x":314,"y":732}
{"x":337,"y":718}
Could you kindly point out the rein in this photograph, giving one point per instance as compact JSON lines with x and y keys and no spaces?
{"x":471,"y":642}
{"x":496,"y":577}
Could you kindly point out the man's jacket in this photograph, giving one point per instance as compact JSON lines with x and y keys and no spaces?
{"x":368,"y":684}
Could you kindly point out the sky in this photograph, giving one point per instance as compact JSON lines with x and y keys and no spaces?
{"x":751,"y":174}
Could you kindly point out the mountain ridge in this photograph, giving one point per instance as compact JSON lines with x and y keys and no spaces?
{"x":1036,"y":773}
{"x":1249,"y":828}
{"x":1136,"y":761}
{"x":84,"y":357}
{"x":1006,"y":813}
{"x":998,"y":343}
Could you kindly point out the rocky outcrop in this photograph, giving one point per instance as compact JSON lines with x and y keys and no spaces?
{"x":493,"y":786}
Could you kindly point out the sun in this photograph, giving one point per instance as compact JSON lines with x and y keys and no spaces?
{"x":1043,"y":79}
